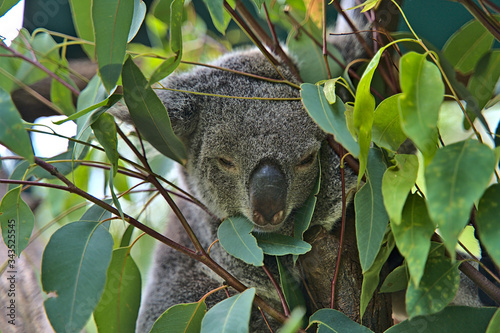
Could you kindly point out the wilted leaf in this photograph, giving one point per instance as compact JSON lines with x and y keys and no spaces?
{"x":230,"y":315}
{"x":457,"y":176}
{"x":16,"y":221}
{"x":235,"y":237}
{"x":397,"y":182}
{"x":181,"y":318}
{"x":74,"y":266}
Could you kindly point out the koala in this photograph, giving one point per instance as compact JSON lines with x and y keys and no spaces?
{"x":250,"y":157}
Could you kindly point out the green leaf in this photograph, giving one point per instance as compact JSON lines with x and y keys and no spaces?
{"x":12,"y":132}
{"x":463,"y":319}
{"x":149,"y":113}
{"x":161,"y":10}
{"x":176,"y":13}
{"x":397,"y":280}
{"x":294,"y":321}
{"x":467,"y":45}
{"x":6,"y":6}
{"x":74,"y":266}
{"x":371,"y":277}
{"x":423,"y":93}
{"x":280,"y":245}
{"x":97,"y":214}
{"x":330,"y":320}
{"x":181,"y":318}
{"x":484,"y":79}
{"x":81,"y":11}
{"x":413,"y":235}
{"x":397,"y":182}
{"x":220,"y":18}
{"x":364,"y":107}
{"x":105,"y":132}
{"x":330,"y":117}
{"x":60,"y":95}
{"x":235,"y":236}
{"x":488,"y":222}
{"x":312,"y":66}
{"x":16,"y":221}
{"x":165,"y":69}
{"x":119,"y":305}
{"x":230,"y":315}
{"x":494,"y":325}
{"x":371,"y":217}
{"x":291,"y":288}
{"x":127,"y":236}
{"x":437,"y":287}
{"x":139,"y":15}
{"x":112,"y":20}
{"x":386,"y":130}
{"x":457,"y":176}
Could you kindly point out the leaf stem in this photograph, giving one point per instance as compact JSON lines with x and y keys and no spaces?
{"x":277,"y":287}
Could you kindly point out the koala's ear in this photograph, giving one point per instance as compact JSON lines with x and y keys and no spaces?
{"x":182,"y":107}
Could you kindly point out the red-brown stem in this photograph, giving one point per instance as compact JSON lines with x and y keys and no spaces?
{"x":325,"y":48}
{"x":278,"y":290}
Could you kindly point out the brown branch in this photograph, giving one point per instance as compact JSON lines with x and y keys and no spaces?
{"x":486,"y":20}
{"x":276,"y":286}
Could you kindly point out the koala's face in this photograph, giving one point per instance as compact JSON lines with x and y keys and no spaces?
{"x":259,"y":160}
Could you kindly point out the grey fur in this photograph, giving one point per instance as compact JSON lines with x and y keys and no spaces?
{"x":246,"y":132}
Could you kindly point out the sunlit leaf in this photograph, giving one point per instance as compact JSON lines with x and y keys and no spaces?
{"x":137,"y":19}
{"x":413,"y":235}
{"x":467,"y":45}
{"x":112,"y":20}
{"x":386,"y":130}
{"x":457,"y":177}
{"x":74,"y":266}
{"x":119,"y":306}
{"x":397,"y":182}
{"x":230,"y":315}
{"x":423,"y":93}
{"x":294,"y":321}
{"x":16,"y":221}
{"x":235,"y":236}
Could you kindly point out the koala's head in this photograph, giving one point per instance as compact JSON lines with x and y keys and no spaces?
{"x":256,"y":158}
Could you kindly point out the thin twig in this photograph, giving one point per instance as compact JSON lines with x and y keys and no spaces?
{"x":278,"y":290}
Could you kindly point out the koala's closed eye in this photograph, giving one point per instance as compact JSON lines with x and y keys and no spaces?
{"x":226,"y":163}
{"x":307,"y":160}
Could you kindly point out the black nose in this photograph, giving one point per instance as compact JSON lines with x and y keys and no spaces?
{"x":268,"y":191}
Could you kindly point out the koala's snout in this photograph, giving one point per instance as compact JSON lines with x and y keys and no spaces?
{"x":268,"y":192}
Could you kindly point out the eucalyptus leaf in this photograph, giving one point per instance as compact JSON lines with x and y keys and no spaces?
{"x":386,"y":130}
{"x":294,"y":321}
{"x":16,"y":222}
{"x":230,"y":315}
{"x":397,"y":182}
{"x":112,"y":20}
{"x":330,"y":320}
{"x":105,"y":132}
{"x":371,"y":216}
{"x":235,"y":236}
{"x":149,"y":113}
{"x":74,"y":266}
{"x":81,"y":11}
{"x":291,"y":288}
{"x":181,"y":318}
{"x":467,"y":45}
{"x":330,"y":117}
{"x":494,"y":324}
{"x":488,"y":222}
{"x":7,"y":5}
{"x":463,"y":319}
{"x":220,"y":18}
{"x":12,"y":132}
{"x":413,"y":235}
{"x":423,"y":93}
{"x":119,"y":305}
{"x":280,"y":245}
{"x":397,"y":280}
{"x":456,"y":178}
{"x":484,"y":80}
{"x":139,"y":15}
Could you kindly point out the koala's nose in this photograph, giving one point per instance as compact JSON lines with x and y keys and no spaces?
{"x":268,"y":191}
